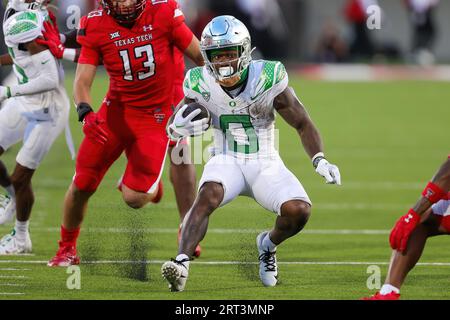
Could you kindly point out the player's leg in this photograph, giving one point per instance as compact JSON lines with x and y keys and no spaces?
{"x":146,"y":154}
{"x":436,"y":221}
{"x":93,"y":161}
{"x":182,"y":177}
{"x":221,"y":182}
{"x":278,"y":190}
{"x":12,"y":125}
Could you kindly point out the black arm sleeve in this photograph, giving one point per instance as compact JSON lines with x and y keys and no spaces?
{"x":71,"y":39}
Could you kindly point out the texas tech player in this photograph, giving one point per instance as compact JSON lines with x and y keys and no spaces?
{"x":134,"y":39}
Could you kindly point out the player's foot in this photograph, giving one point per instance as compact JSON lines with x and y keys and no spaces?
{"x":268,"y":270}
{"x":66,"y":256}
{"x":198,"y":249}
{"x":11,"y":244}
{"x":7,"y":208}
{"x":160,"y":193}
{"x":176,"y":274}
{"x":379,"y":296}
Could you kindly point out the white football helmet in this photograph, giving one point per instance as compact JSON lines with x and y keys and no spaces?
{"x":224,"y":32}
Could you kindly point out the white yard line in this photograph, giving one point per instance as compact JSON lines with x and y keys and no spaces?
{"x":221,"y":231}
{"x":13,"y":277}
{"x":323,"y":263}
{"x":11,"y":293}
{"x":14,"y":269}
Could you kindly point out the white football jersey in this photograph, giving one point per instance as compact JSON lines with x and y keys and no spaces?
{"x":20,"y":28}
{"x":244,"y":126}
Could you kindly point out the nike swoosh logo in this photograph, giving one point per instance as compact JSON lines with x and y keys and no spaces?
{"x":45,"y":62}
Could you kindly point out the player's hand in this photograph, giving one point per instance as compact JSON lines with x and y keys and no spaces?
{"x":329,"y":171}
{"x":399,"y":236}
{"x":52,"y":40}
{"x":185,"y":126}
{"x":92,"y":128}
{"x":4,"y":93}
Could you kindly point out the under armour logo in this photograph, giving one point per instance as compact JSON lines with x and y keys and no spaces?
{"x":148,"y":28}
{"x":115,"y":35}
{"x":429,"y":193}
{"x":410,"y":216}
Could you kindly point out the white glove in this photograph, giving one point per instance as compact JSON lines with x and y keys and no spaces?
{"x":329,"y":171}
{"x":184,"y":126}
{"x":4,"y":93}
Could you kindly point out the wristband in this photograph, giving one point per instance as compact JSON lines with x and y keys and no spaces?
{"x":83,"y":109}
{"x":69,"y":54}
{"x":433,"y":192}
{"x":316,"y":159}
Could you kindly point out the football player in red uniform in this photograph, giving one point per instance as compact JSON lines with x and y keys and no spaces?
{"x":134,"y":39}
{"x":429,"y":217}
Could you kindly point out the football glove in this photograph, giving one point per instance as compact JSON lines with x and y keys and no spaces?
{"x":399,"y":236}
{"x":185,"y":127}
{"x":52,"y":40}
{"x":92,"y":128}
{"x":329,"y":171}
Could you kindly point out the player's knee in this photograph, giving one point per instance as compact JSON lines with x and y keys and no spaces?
{"x":297,"y":211}
{"x":86,"y":182}
{"x":211,"y":195}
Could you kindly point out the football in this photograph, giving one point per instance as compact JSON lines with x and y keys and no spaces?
{"x":194,"y":106}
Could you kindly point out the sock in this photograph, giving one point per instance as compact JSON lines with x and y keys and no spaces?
{"x":267,"y":243}
{"x":11,"y":191}
{"x":69,"y":237}
{"x":21,"y":228}
{"x":387,"y":288}
{"x":181,"y":257}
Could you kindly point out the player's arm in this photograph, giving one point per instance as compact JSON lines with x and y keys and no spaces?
{"x":193,"y":52}
{"x":294,"y":113}
{"x":6,"y":60}
{"x":437,"y":189}
{"x":57,"y":43}
{"x":47,"y":80}
{"x":84,"y":77}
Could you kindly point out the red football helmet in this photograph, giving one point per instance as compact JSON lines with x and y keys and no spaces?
{"x":124,"y":11}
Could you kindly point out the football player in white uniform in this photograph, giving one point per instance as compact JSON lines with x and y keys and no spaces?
{"x":36,"y":111}
{"x":241,"y":96}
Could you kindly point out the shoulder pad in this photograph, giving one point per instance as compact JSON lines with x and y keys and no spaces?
{"x":195,"y":81}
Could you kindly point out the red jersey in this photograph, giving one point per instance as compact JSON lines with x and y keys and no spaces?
{"x":139,"y":60}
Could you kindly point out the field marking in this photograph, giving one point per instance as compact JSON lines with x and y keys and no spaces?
{"x":14,"y":277}
{"x":11,"y":293}
{"x":222,"y":231}
{"x":12,"y":285}
{"x":324,"y":263}
{"x":14,"y":269}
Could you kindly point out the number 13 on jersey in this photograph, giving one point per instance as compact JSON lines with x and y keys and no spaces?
{"x":138,"y":52}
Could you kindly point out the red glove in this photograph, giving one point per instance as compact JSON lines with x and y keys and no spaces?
{"x":402,"y":230}
{"x":92,"y":128}
{"x":52,"y":40}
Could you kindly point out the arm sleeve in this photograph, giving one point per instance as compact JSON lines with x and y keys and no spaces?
{"x":89,"y":55}
{"x":47,"y":80}
{"x":181,"y":34}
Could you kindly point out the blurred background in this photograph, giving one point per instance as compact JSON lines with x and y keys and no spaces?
{"x":310,"y":32}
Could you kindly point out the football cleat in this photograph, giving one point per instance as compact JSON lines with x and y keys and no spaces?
{"x":176,"y":274}
{"x":11,"y":244}
{"x":378,"y":296}
{"x":7,"y":208}
{"x":65,"y":257}
{"x":268,"y":269}
{"x":198,"y":249}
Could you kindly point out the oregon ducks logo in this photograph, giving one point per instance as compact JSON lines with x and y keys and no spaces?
{"x":232,"y":104}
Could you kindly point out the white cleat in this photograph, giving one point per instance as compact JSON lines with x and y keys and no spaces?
{"x":11,"y":245}
{"x":176,"y":273}
{"x":268,"y":269}
{"x":7,"y":208}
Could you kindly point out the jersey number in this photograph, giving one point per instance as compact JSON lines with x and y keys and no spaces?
{"x":240,"y":133}
{"x":139,"y":52}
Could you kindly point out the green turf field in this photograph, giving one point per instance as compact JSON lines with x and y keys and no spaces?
{"x":387,"y":138}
